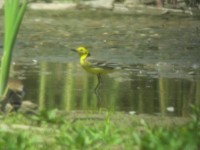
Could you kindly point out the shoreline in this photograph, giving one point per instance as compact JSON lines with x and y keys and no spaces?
{"x":114,"y":7}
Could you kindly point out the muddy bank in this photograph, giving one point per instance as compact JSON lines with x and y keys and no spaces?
{"x":127,"y":120}
{"x":120,"y":119}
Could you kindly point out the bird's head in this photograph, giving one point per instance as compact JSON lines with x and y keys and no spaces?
{"x":82,"y":51}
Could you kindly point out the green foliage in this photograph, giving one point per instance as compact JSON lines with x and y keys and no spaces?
{"x":14,"y":12}
{"x":89,"y":137}
{"x":51,"y":116}
{"x":184,"y":138}
{"x":18,"y":140}
{"x":98,"y":134}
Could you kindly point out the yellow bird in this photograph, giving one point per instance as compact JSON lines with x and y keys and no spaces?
{"x":94,"y":66}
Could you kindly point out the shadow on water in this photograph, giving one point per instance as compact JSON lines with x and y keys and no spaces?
{"x":162,"y":52}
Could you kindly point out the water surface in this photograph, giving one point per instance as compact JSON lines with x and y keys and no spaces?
{"x":162,"y":52}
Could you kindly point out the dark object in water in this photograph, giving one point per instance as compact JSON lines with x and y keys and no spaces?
{"x":13,"y":96}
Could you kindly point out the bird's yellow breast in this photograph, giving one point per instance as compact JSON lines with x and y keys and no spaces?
{"x":92,"y":69}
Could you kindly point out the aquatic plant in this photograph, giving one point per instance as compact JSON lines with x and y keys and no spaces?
{"x":13,"y":14}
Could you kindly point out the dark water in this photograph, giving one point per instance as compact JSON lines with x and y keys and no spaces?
{"x":162,"y":51}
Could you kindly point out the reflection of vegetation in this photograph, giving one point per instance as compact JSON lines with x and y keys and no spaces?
{"x":192,"y":3}
{"x":197,"y":92}
{"x":67,"y":87}
{"x":162,"y":94}
{"x":105,"y":131}
{"x":68,"y":94}
{"x":42,"y":86}
{"x":14,"y":11}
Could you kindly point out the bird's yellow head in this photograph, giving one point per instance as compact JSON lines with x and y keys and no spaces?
{"x":82,"y":51}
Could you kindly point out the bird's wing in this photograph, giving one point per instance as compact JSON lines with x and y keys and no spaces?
{"x":102,"y":64}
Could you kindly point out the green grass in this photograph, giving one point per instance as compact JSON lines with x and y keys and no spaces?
{"x":48,"y":131}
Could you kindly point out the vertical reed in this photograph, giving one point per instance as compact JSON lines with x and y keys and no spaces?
{"x":13,"y":14}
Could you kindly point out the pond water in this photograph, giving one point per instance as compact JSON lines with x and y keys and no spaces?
{"x":163,"y":52}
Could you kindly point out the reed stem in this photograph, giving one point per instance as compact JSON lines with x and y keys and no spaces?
{"x":14,"y":11}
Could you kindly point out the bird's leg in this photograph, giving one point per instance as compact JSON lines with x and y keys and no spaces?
{"x":96,"y":90}
{"x":99,"y":83}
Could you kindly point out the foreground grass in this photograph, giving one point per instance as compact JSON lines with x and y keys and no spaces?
{"x":51,"y":130}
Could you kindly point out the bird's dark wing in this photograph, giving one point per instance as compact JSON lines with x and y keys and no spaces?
{"x":102,"y":64}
